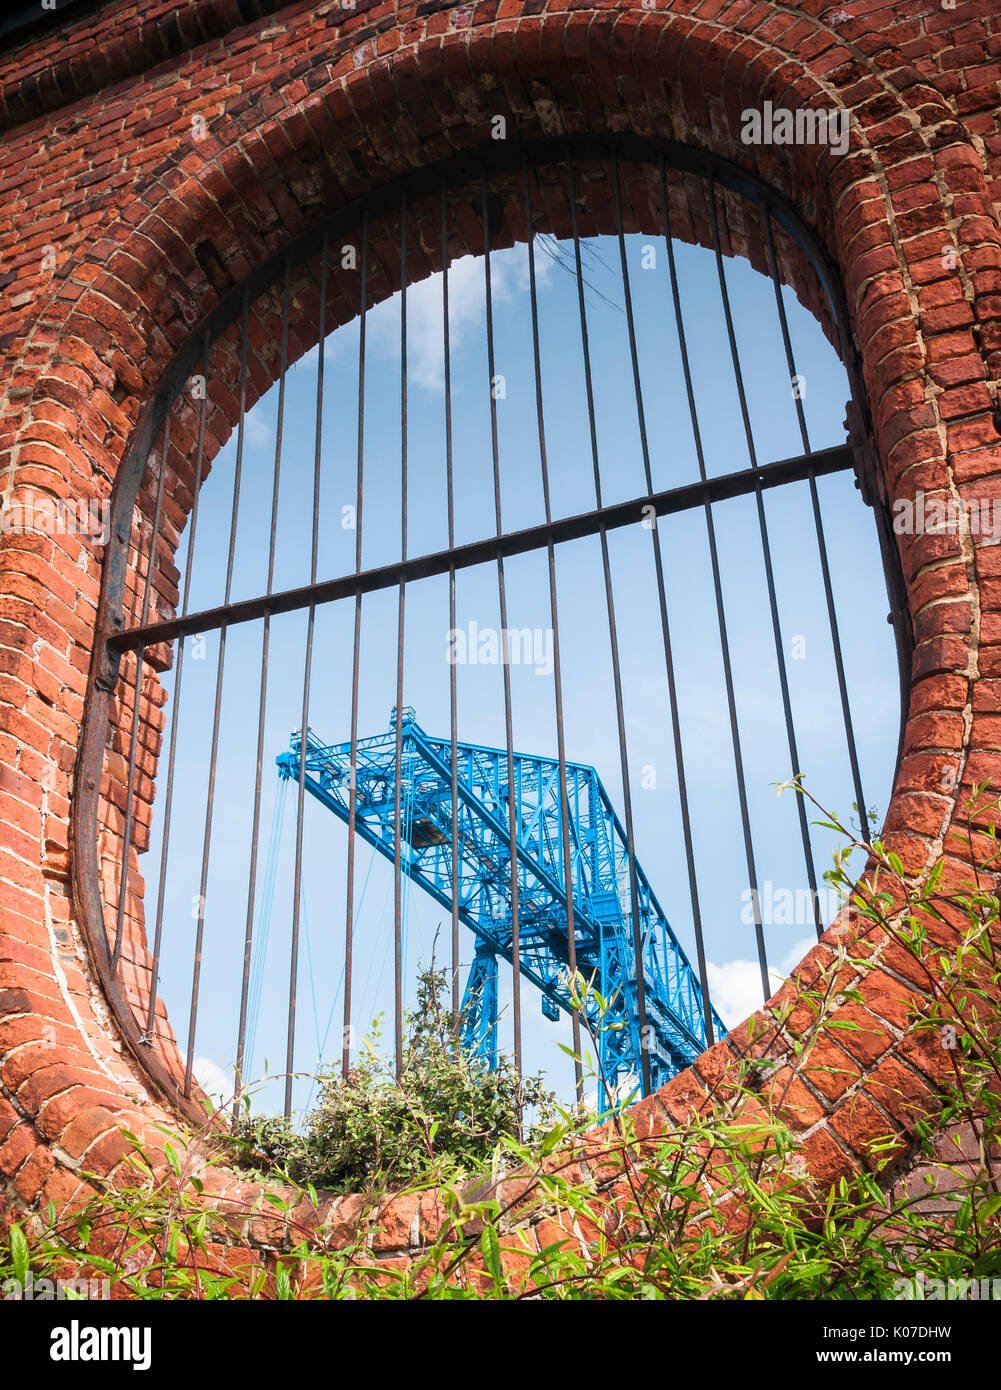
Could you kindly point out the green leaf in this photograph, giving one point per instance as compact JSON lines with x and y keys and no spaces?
{"x":490,"y":1245}
{"x":19,"y":1255}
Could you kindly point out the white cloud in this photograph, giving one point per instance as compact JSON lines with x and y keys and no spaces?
{"x":735,"y":988}
{"x":217,"y":1083}
{"x":466,"y":311}
{"x":466,"y":314}
{"x":257,"y":430}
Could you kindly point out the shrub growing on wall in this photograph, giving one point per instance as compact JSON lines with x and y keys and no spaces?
{"x":372,"y":1131}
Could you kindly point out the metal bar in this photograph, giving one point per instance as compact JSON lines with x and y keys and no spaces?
{"x":686,"y":819}
{"x":846,"y":709}
{"x":453,"y":707}
{"x":248,"y":939}
{"x":306,"y":678}
{"x":196,"y":973}
{"x":136,"y":697}
{"x":557,"y":667}
{"x":664,"y":623}
{"x":724,"y":640}
{"x":400,"y":638}
{"x":99,"y":707}
{"x":804,"y":827}
{"x":500,"y":157}
{"x":610,"y":518}
{"x":171,"y":761}
{"x":613,"y":639}
{"x":355,"y":667}
{"x":512,"y":798}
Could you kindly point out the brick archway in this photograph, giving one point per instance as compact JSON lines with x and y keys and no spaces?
{"x":314,"y":115}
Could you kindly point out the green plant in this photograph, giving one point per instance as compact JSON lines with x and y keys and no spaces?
{"x":372,"y":1130}
{"x":713,"y":1207}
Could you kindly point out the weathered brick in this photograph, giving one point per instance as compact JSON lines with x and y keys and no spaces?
{"x":150,"y":229}
{"x":865,"y":1129}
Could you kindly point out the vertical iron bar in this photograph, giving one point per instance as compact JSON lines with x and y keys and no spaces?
{"x":400,"y":632}
{"x":614,"y":645}
{"x":355,"y":667}
{"x":136,"y":697}
{"x":453,"y":705}
{"x":804,"y":827}
{"x":665,"y":625}
{"x":512,"y":796}
{"x":846,"y":710}
{"x":307,"y":675}
{"x":557,"y":668}
{"x":262,"y":703}
{"x":169,"y":794}
{"x":738,"y":759}
{"x":196,"y":973}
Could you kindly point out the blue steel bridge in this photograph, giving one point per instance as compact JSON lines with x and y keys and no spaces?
{"x":603,"y":931}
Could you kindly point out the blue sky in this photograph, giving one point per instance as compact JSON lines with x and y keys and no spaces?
{"x":589,"y":706}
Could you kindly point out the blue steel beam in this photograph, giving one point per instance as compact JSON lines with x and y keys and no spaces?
{"x":675,"y":1026}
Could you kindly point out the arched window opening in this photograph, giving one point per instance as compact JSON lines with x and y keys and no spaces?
{"x":530,"y":474}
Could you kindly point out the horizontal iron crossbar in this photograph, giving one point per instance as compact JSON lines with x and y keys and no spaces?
{"x":610,"y":518}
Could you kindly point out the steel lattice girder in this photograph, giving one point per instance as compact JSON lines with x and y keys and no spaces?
{"x":675,"y":1025}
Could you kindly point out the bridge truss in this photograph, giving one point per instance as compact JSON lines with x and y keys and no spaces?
{"x":674,"y":1024}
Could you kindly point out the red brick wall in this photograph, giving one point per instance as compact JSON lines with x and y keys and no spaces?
{"x":118,"y":231}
